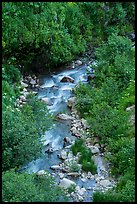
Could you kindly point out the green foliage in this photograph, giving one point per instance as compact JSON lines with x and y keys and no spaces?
{"x":21,"y":129}
{"x":126,"y":194}
{"x":106,"y":197}
{"x":116,"y":59}
{"x":128,"y":96}
{"x":71,"y":188}
{"x":104,"y":107}
{"x":30,"y":188}
{"x":50,"y":33}
{"x":87,"y":162}
{"x":10,"y":73}
{"x":89,"y":166}
{"x":123,"y":155}
{"x":85,"y":156}
{"x":78,"y":146}
{"x":107,"y":123}
{"x":74,"y":167}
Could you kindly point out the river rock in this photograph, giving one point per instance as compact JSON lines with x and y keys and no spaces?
{"x":71,"y":102}
{"x":47,"y":101}
{"x":75,"y":174}
{"x":81,"y":191}
{"x":67,"y":79}
{"x":68,"y":147}
{"x":35,"y":92}
{"x":130,"y":108}
{"x":63,"y":155}
{"x":84,"y":179}
{"x":85,"y":124}
{"x":78,"y":62}
{"x":24,"y":90}
{"x":80,"y":198}
{"x":61,"y":175}
{"x":70,"y":155}
{"x":55,"y":167}
{"x":22,"y":98}
{"x":66,"y":183}
{"x":94,"y":149}
{"x":105,"y":183}
{"x":32,"y":81}
{"x":67,"y":142}
{"x":64,"y":117}
{"x":41,"y":172}
{"x":24,"y":84}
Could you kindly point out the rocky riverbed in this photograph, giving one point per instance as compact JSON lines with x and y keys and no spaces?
{"x":56,"y":91}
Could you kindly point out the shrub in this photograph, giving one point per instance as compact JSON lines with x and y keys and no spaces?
{"x":21,"y":187}
{"x":106,"y":121}
{"x":127,"y":194}
{"x":116,"y":59}
{"x":74,"y":167}
{"x":106,"y":197}
{"x":78,"y":146}
{"x":128,"y":96}
{"x":10,"y":73}
{"x":89,"y":166}
{"x":21,"y":132}
{"x":85,"y":155}
{"x":123,"y":155}
{"x":86,"y":161}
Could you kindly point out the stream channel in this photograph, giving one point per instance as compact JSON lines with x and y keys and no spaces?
{"x":58,"y":94}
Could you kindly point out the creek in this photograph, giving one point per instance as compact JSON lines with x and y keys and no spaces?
{"x":57,"y":94}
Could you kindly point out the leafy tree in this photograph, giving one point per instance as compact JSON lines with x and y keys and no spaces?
{"x":22,"y":187}
{"x":22,"y":129}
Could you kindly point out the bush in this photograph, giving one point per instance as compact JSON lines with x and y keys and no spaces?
{"x":128,"y":96}
{"x":106,"y":197}
{"x":126,"y":194}
{"x":21,"y":132}
{"x":78,"y":146}
{"x":74,"y":167}
{"x":106,"y":121}
{"x":85,"y":155}
{"x":116,"y":59}
{"x":89,"y":166}
{"x":10,"y":73}
{"x":123,"y":155}
{"x":87,"y":162}
{"x":21,"y":187}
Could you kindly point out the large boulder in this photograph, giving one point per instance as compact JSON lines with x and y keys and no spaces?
{"x":66,"y":183}
{"x":64,"y":117}
{"x":71,"y":102}
{"x":67,"y":79}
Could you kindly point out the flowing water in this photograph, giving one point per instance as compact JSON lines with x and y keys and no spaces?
{"x":57,"y":93}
